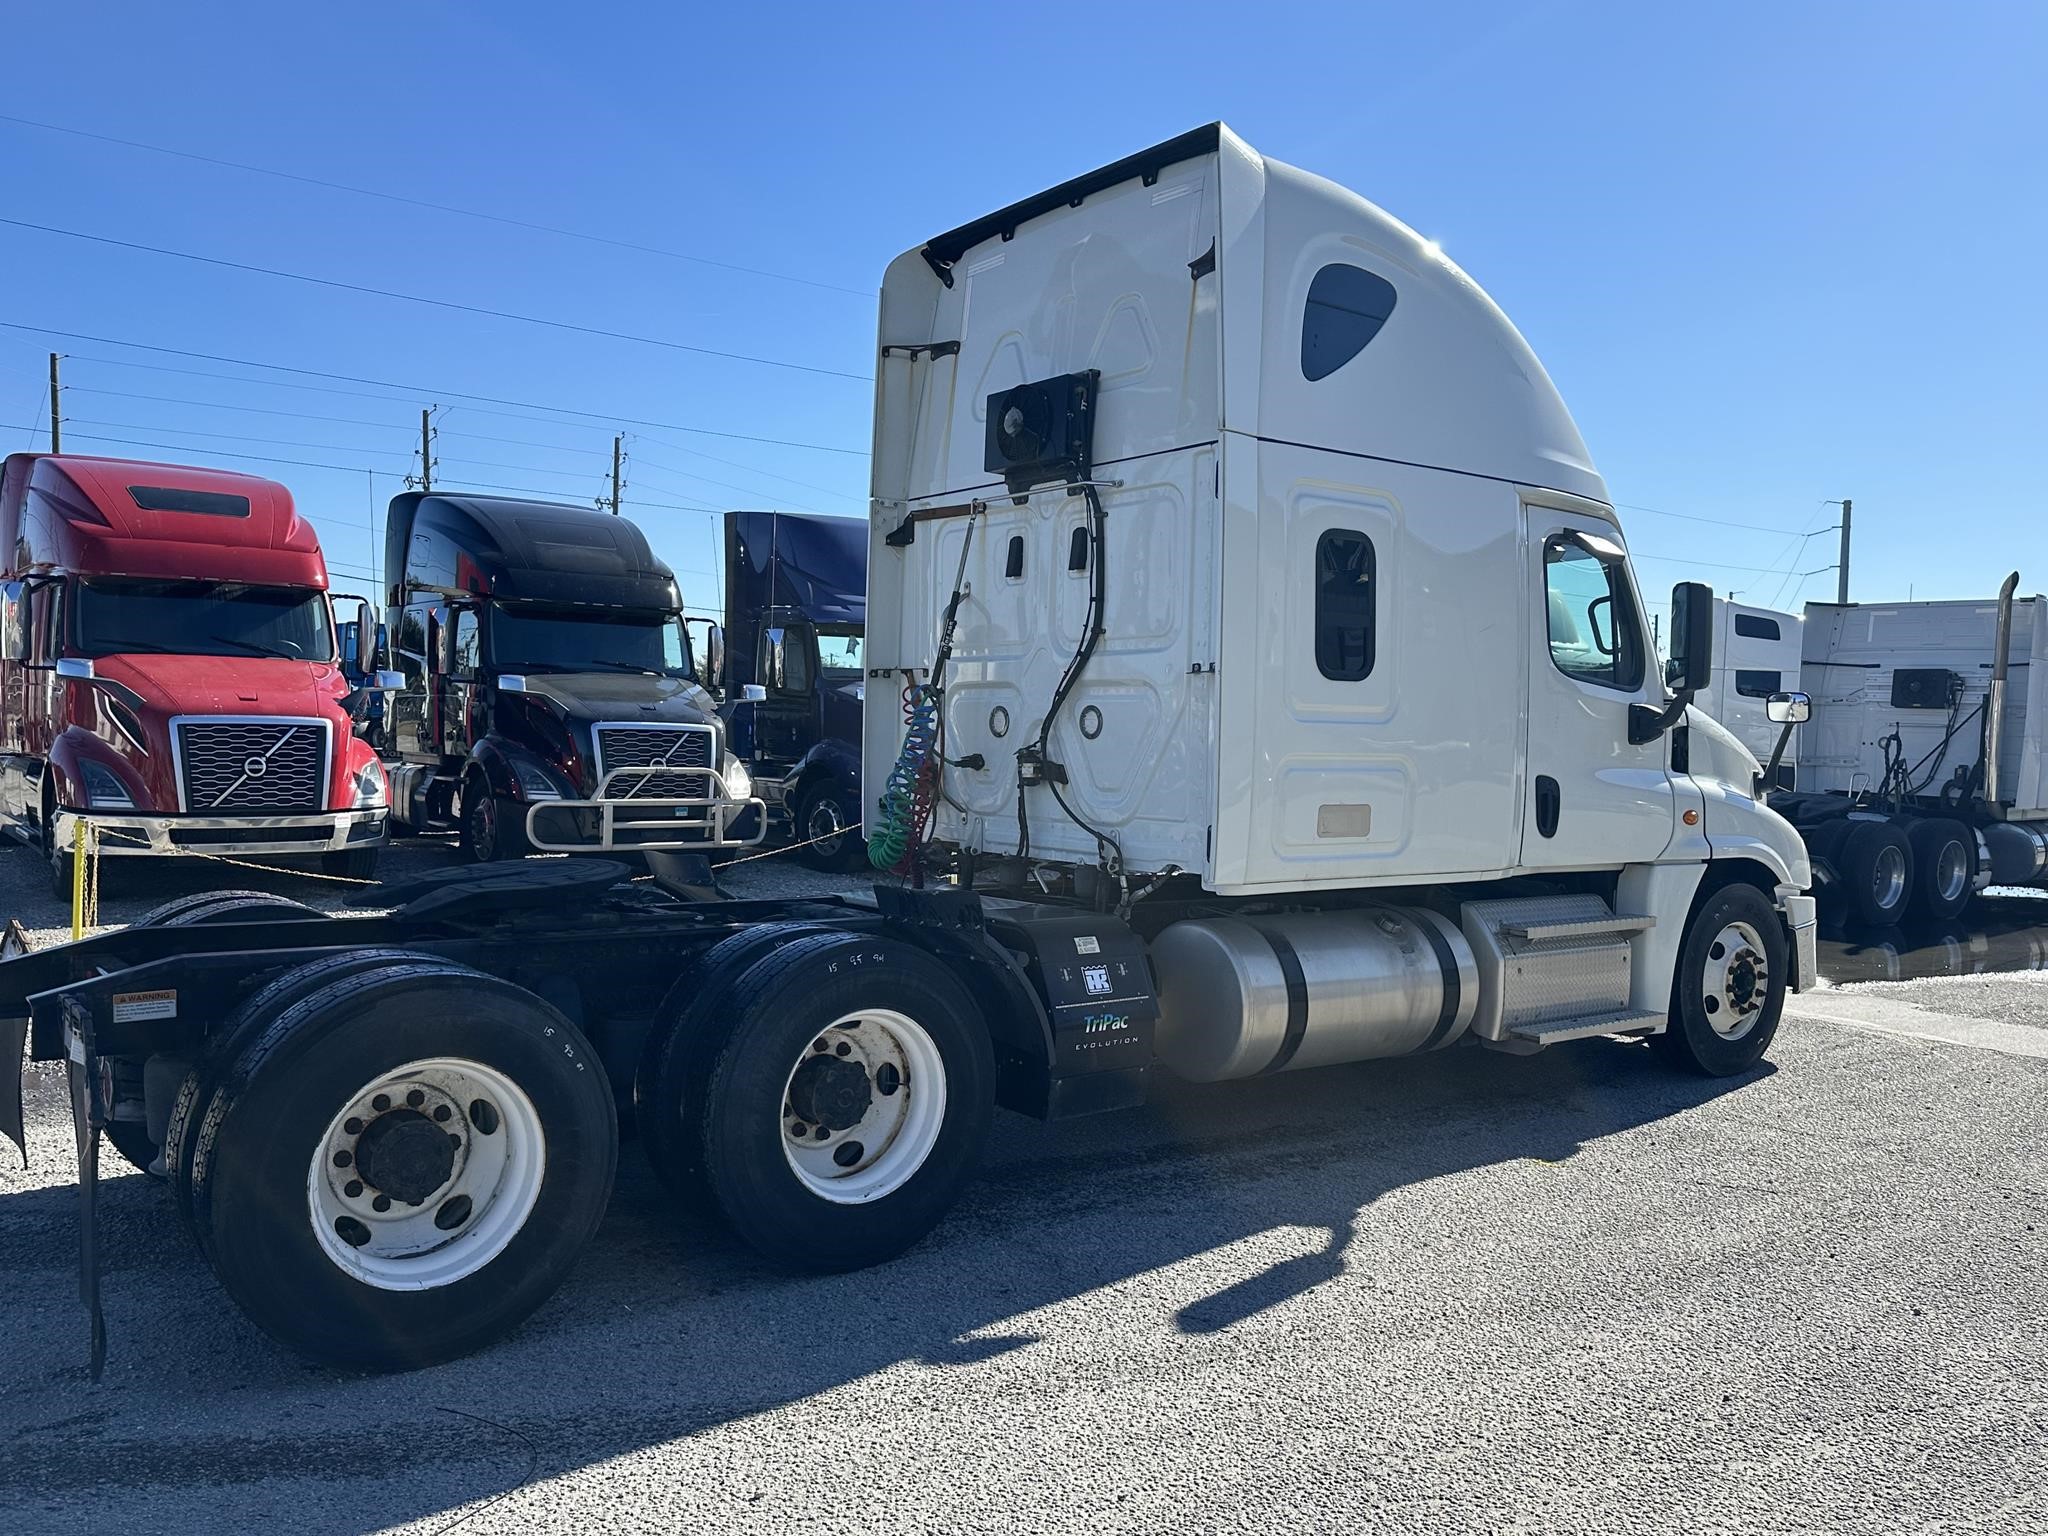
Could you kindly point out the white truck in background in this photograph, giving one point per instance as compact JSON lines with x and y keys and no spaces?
{"x":1271,"y":689}
{"x":1921,"y":775}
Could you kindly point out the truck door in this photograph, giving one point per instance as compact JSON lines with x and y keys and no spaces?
{"x":458,"y":687}
{"x":1594,"y":799}
{"x":411,"y":735}
{"x":786,"y":721}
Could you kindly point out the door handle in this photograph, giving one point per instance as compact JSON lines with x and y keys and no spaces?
{"x":1547,"y":805}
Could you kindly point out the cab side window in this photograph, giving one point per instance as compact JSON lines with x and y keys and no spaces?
{"x":410,"y":645}
{"x":1595,"y":634}
{"x":1345,"y":569}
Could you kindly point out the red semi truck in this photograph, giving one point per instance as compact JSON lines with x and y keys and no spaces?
{"x":169,"y":672}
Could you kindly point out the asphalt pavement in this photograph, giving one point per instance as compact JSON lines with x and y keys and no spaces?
{"x":1470,"y":1292}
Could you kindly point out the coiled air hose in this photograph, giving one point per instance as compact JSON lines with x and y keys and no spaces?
{"x":912,"y":788}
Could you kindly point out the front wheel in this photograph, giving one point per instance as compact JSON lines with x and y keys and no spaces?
{"x":849,"y":1090}
{"x":1729,"y":990}
{"x":351,"y":864}
{"x":493,"y":827}
{"x":827,"y":825}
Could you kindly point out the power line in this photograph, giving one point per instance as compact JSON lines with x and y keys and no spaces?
{"x":449,"y":304}
{"x":1690,"y":517}
{"x":240,"y":437}
{"x":414,"y":390}
{"x":218,"y":405}
{"x":417,"y":202}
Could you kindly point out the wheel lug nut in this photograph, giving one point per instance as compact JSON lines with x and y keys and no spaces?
{"x":381,"y":1103}
{"x":415,"y":1099}
{"x":821,"y":1045}
{"x":381,"y":1203}
{"x":353,"y":1189}
{"x":821,"y":1134}
{"x":442,"y":1112}
{"x":343,"y":1159}
{"x":353,"y":1126}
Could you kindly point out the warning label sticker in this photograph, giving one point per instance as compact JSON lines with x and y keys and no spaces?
{"x":1087,"y":944}
{"x":131,"y":1006}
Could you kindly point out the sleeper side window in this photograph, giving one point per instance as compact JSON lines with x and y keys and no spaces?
{"x":1345,"y":570}
{"x":1346,"y":308}
{"x":1595,"y":635}
{"x":1759,"y":684}
{"x":1756,"y":627}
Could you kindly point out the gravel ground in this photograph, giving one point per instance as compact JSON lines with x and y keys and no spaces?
{"x":1470,"y":1292}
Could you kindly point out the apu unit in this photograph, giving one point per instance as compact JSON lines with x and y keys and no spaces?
{"x":1043,"y":431}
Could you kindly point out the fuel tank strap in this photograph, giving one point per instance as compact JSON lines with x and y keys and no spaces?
{"x":1447,"y":962}
{"x":1297,"y":1000}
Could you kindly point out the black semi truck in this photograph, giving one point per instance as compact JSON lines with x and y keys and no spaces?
{"x":549,"y":699}
{"x":795,"y":628}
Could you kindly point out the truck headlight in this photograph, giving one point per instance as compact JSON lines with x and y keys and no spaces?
{"x":370,"y":791}
{"x":533,"y":782}
{"x":103,"y":791}
{"x":739,"y":784}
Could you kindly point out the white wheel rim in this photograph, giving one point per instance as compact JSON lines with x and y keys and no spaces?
{"x":1888,"y":878}
{"x":1737,"y":981}
{"x":1951,"y":870}
{"x":852,"y":1139}
{"x":426,"y":1237}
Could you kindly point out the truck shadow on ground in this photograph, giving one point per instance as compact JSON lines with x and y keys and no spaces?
{"x":669,"y":1329}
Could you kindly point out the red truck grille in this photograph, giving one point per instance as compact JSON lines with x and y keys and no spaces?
{"x":263,"y":766}
{"x":677,"y":748}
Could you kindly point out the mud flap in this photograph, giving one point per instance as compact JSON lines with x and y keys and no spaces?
{"x":13,"y":1042}
{"x":89,"y":1110}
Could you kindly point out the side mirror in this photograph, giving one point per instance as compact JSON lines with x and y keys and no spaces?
{"x":386,"y":682}
{"x":1692,"y":637}
{"x":13,"y":629}
{"x":752,"y":693}
{"x":1788,"y":708}
{"x":774,"y":656}
{"x":77,"y":669}
{"x":366,"y":626}
{"x":511,"y":682}
{"x":714,"y":657}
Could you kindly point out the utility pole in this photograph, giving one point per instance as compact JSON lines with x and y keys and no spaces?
{"x":618,"y":483}
{"x":1842,"y":574}
{"x":56,"y":420}
{"x":427,"y":450}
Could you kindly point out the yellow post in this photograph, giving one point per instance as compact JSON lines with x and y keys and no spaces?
{"x":78,"y":858}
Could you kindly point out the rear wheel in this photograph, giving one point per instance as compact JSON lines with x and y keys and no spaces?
{"x":404,"y":1164}
{"x":849,"y":1090}
{"x":1944,"y":867}
{"x":1729,"y":988}
{"x":1876,"y":862}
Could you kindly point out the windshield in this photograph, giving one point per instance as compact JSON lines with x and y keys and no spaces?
{"x":579,"y":640}
{"x":839,"y":655}
{"x":202,"y":618}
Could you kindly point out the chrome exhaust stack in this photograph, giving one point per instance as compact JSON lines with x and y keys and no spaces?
{"x":1994,"y":700}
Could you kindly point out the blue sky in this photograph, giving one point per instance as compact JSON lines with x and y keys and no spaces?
{"x":1772,"y":254}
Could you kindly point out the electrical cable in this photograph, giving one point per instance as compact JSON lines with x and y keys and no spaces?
{"x":433,"y":303}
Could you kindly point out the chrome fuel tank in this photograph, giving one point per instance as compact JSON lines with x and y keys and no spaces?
{"x":1243,"y":996}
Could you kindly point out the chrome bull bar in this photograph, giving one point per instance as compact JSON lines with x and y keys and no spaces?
{"x":711,"y":828}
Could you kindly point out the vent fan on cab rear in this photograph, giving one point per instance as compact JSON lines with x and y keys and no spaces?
{"x":1043,"y":431}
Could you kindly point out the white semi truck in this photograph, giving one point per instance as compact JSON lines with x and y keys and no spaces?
{"x":1921,"y":776}
{"x":1274,"y":691}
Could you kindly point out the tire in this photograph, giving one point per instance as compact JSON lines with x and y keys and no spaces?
{"x":521,"y":1185}
{"x":821,"y":808}
{"x":493,"y":827}
{"x":351,"y":863}
{"x":675,"y":1066}
{"x":130,"y":1138}
{"x":1876,"y":864}
{"x":57,"y":860}
{"x":1734,"y":965}
{"x":1944,"y":868}
{"x":893,"y":1015}
{"x":203,"y":907}
{"x":197,"y":1091}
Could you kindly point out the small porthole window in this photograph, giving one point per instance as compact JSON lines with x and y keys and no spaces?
{"x":1346,"y":308}
{"x":1345,"y":568}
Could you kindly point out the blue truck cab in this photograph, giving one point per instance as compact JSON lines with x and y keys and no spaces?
{"x":795,"y":617}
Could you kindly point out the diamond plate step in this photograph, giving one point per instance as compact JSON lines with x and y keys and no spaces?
{"x":1627,"y":1021}
{"x":1594,"y":928}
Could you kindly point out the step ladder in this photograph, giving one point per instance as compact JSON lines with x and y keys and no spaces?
{"x":1554,"y":968}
